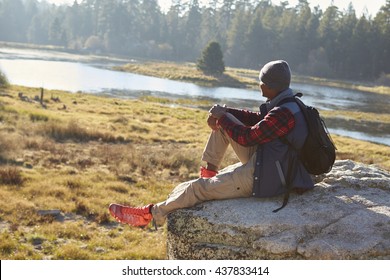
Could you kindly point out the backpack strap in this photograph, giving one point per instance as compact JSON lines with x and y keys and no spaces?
{"x":291,"y":161}
{"x":288,"y":182}
{"x":287,"y":100}
{"x":290,"y":99}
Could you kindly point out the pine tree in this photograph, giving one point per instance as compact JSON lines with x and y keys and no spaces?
{"x":211,"y":61}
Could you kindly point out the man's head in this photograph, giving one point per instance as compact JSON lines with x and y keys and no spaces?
{"x":275,"y":75}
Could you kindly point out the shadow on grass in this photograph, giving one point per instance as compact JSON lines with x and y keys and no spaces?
{"x":227,"y":81}
{"x":231,"y":82}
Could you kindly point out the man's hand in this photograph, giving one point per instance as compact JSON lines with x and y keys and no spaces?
{"x":217,"y":111}
{"x":212,"y":122}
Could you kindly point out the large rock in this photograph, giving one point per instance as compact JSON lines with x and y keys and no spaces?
{"x":347,"y":216}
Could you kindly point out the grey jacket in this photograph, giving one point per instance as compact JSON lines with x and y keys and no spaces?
{"x":273,"y":158}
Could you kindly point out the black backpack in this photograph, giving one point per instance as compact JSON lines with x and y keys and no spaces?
{"x":318,"y":152}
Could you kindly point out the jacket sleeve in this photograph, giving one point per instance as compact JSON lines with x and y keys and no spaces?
{"x":248,"y":118}
{"x":277,"y":123}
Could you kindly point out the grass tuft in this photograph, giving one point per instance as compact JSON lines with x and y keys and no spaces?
{"x":34,"y":117}
{"x":10,"y":175}
{"x":8,"y":244}
{"x":72,"y":252}
{"x":74,"y":131}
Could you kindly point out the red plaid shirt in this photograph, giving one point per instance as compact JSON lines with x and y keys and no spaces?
{"x":277,"y":123}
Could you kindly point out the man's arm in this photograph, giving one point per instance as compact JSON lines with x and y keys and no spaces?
{"x":248,"y":118}
{"x":277,"y":123}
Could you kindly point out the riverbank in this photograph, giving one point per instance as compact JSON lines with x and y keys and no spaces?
{"x":233,"y":77}
{"x":65,"y":160}
{"x":187,"y":72}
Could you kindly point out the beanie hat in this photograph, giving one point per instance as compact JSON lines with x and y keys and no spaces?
{"x":276,"y":75}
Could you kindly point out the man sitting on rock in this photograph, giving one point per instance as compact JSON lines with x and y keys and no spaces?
{"x":257,"y":138}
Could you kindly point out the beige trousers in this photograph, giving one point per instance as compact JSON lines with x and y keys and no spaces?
{"x":231,"y":182}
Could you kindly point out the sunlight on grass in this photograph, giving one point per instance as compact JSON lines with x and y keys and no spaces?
{"x":76,"y":159}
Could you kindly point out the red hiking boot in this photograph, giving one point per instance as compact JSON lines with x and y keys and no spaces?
{"x":134,"y":216}
{"x":205,"y":173}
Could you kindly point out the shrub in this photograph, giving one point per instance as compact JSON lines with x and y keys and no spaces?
{"x":211,"y":61}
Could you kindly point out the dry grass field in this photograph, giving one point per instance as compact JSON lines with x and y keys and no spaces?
{"x":77,"y":153}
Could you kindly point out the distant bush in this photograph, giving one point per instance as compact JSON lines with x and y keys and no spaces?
{"x":3,"y":80}
{"x":211,"y":61}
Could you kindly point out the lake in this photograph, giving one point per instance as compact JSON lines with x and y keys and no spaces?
{"x":93,"y":74}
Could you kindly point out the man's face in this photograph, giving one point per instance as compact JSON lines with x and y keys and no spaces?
{"x":263,"y":89}
{"x":267,"y":92}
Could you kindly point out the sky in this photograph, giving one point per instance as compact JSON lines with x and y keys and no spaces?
{"x":372,"y":6}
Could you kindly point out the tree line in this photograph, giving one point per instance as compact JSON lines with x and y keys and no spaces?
{"x":329,"y":43}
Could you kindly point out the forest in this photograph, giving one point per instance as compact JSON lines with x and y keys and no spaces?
{"x":326,"y":43}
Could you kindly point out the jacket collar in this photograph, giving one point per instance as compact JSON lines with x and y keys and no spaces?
{"x":284,"y":94}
